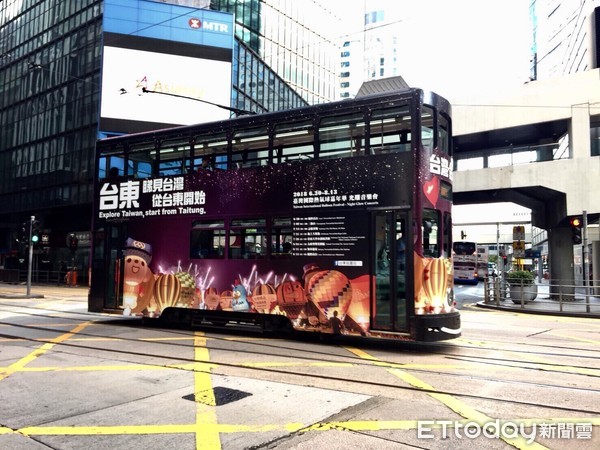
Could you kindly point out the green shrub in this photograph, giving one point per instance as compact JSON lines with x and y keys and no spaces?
{"x":520,"y":277}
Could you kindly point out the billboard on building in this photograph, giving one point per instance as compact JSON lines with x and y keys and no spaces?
{"x":163,"y":65}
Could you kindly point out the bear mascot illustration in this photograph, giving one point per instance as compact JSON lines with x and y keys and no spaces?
{"x":138,"y":279}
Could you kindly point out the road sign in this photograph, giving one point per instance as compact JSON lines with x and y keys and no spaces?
{"x":519,"y":249}
{"x":519,"y":233}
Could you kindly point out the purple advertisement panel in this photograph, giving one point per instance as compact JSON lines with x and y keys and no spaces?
{"x":279,"y":188}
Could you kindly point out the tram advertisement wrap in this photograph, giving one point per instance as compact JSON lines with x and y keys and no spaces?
{"x":328,"y":299}
{"x":284,"y":187}
{"x":326,"y":285}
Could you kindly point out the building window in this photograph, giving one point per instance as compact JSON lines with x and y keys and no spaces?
{"x":595,"y":139}
{"x":345,"y":74}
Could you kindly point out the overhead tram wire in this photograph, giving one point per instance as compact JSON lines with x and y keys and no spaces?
{"x":240,"y":112}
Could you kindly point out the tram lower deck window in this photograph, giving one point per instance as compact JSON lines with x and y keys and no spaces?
{"x":207,"y":240}
{"x":248,"y":239}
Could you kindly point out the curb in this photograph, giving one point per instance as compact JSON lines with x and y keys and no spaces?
{"x":546,"y":312}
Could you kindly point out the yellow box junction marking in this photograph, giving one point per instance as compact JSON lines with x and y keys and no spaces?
{"x":454,"y":404}
{"x":206,"y":428}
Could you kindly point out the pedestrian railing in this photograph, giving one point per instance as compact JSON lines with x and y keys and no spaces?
{"x":57,"y":277}
{"x":550,"y":296}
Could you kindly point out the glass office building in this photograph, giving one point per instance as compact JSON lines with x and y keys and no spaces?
{"x":298,"y":39}
{"x":50,"y":84}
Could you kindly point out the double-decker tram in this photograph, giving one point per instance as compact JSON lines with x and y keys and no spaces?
{"x":333,"y":218}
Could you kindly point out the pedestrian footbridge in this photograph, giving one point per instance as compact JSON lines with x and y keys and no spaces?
{"x":537,"y":146}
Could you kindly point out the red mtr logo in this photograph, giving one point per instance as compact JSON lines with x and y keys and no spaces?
{"x":195,"y":23}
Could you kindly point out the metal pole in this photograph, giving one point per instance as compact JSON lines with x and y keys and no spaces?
{"x":30,"y":264}
{"x":499,"y":259}
{"x":584,"y":265}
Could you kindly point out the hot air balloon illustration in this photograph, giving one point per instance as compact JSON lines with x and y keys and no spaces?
{"x":435,"y":284}
{"x":225,"y":300}
{"x":188,"y":284}
{"x":420,"y":263}
{"x":291,"y":298}
{"x":167,"y":290}
{"x":264,"y":297}
{"x":330,"y":291}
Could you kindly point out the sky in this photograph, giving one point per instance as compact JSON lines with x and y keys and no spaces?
{"x":457,"y":48}
{"x":462,"y":49}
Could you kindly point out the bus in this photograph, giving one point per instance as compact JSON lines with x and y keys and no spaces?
{"x":333,"y":218}
{"x":465,"y":261}
{"x":483,"y":256}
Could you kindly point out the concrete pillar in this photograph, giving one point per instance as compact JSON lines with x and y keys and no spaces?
{"x":560,"y":251}
{"x":579,"y":131}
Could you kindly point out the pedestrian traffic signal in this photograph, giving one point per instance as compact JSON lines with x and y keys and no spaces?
{"x":576,"y":225}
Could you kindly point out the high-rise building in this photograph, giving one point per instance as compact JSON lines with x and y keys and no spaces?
{"x":566,"y":37}
{"x":296,"y":38}
{"x":374,"y":52}
{"x":51,"y":57}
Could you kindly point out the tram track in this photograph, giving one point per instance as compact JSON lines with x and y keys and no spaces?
{"x":320,"y":356}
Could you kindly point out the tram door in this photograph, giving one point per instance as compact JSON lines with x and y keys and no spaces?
{"x":389,"y":305}
{"x":107,"y":270}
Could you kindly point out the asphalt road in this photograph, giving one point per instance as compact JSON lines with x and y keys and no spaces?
{"x":73,"y":380}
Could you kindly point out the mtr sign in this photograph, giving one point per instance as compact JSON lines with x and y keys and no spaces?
{"x":198,"y":24}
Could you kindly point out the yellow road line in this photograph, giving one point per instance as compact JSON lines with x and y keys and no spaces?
{"x":20,"y":365}
{"x":125,"y":368}
{"x":566,"y":336}
{"x":297,"y":364}
{"x":454,"y":404}
{"x":207,"y":434}
{"x":350,"y":425}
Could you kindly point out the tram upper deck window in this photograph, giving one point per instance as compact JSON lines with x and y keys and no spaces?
{"x":391,"y":130}
{"x":141,"y":159}
{"x":443,"y":134}
{"x":211,"y":148}
{"x":427,"y":128}
{"x":294,"y":142}
{"x":174,"y":158}
{"x":342,"y":136}
{"x":250,"y":148}
{"x":111,"y":166}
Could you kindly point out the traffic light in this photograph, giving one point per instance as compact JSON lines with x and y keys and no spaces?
{"x":24,"y":235}
{"x":35,"y":231}
{"x":73,"y":241}
{"x":576,"y":225}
